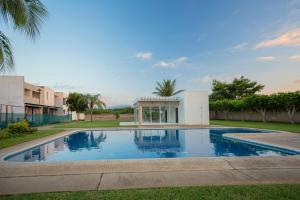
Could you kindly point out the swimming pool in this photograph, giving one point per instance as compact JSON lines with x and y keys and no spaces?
{"x":141,"y":143}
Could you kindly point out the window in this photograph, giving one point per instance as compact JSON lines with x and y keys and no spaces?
{"x":155,"y":114}
{"x":35,"y":94}
{"x":47,"y":95}
{"x":146,"y":115}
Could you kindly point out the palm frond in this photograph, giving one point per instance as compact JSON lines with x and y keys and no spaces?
{"x":35,"y":15}
{"x":177,"y":92}
{"x":166,"y":88}
{"x":6,"y":54}
{"x":24,"y":15}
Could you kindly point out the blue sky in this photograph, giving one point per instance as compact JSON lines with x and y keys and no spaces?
{"x":121,"y":48}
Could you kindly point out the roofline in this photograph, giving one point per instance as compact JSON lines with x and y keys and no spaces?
{"x":156,"y":99}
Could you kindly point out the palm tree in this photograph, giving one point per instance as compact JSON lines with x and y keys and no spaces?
{"x":166,"y":88}
{"x":94,"y":100}
{"x":26,"y":16}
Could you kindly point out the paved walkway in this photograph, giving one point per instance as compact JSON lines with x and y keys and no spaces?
{"x":115,"y":174}
{"x":282,"y":139}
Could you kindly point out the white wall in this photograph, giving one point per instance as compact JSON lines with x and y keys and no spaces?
{"x":12,"y":92}
{"x":193,"y":108}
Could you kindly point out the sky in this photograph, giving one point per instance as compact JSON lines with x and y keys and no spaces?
{"x":121,"y":48}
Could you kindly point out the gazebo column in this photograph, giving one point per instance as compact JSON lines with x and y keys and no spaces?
{"x":150,"y":113}
{"x":169,"y":113}
{"x":140,"y":114}
{"x":159,"y":114}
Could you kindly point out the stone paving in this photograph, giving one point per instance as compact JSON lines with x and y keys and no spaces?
{"x":146,"y":173}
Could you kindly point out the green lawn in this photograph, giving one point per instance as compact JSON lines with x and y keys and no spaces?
{"x":89,"y":124}
{"x":245,"y":192}
{"x":268,"y":125}
{"x":27,"y":137}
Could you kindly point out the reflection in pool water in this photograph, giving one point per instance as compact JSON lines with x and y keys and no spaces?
{"x":133,"y":144}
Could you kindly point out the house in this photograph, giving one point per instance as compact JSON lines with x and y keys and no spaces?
{"x":19,"y":99}
{"x":188,"y":108}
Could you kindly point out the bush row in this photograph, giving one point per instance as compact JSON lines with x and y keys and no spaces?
{"x":289,"y":102}
{"x":111,"y":111}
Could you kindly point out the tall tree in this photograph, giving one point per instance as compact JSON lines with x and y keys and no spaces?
{"x":94,"y":101}
{"x":290,"y":101}
{"x":76,"y":102}
{"x":259,"y":103}
{"x":166,"y":88}
{"x":25,"y":16}
{"x":238,"y":88}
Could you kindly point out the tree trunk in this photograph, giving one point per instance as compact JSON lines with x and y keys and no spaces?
{"x":263,"y":114}
{"x":243,"y":115}
{"x":227,"y":114}
{"x":291,"y":114}
{"x":91,"y":113}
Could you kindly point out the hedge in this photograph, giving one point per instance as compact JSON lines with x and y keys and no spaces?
{"x":288,"y":101}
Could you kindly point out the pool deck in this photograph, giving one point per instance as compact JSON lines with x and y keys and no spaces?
{"x":23,"y":177}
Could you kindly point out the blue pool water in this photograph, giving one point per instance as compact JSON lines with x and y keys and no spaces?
{"x":135,"y":144}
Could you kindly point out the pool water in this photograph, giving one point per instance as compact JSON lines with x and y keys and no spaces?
{"x":137,"y":144}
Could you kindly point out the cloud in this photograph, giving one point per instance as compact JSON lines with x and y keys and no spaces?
{"x":172,"y":63}
{"x":297,"y":81}
{"x":210,"y":78}
{"x":64,"y":87}
{"x":144,"y":55}
{"x":295,"y":58}
{"x":203,"y":79}
{"x":239,"y":46}
{"x":290,"y":38}
{"x":266,"y":58}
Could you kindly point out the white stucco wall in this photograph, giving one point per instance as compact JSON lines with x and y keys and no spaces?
{"x":193,"y":108}
{"x":12,"y":92}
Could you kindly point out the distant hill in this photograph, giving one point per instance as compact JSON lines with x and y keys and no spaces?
{"x":119,"y":106}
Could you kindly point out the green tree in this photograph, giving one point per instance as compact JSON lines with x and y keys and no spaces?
{"x":166,"y":88}
{"x":259,"y":103}
{"x":76,"y":102}
{"x":237,"y":89}
{"x":25,"y":16}
{"x":94,"y":101}
{"x":289,"y":101}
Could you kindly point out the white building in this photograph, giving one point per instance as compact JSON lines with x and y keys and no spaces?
{"x":188,"y":108}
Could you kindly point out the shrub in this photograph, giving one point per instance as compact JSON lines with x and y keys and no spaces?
{"x":21,"y":127}
{"x":117,"y":115}
{"x":4,"y":134}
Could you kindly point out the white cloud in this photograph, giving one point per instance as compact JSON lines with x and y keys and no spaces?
{"x":172,"y":63}
{"x":239,"y":46}
{"x":144,"y":55}
{"x":209,"y":78}
{"x":202,"y":79}
{"x":64,"y":87}
{"x":266,"y":58}
{"x":295,"y":58}
{"x":290,"y":38}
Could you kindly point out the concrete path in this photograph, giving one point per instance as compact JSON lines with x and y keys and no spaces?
{"x":282,"y":139}
{"x":146,"y":173}
{"x":97,"y":175}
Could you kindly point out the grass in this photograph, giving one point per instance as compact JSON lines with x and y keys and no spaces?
{"x":13,"y":140}
{"x":89,"y":124}
{"x":245,"y":192}
{"x":268,"y":125}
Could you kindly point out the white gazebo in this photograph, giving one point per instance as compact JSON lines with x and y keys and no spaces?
{"x":190,"y":107}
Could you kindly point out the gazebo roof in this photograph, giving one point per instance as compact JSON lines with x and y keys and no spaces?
{"x":156,"y":99}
